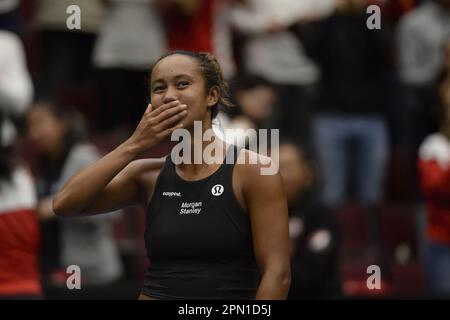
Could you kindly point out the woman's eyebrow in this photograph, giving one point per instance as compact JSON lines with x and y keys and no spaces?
{"x":178,"y":76}
{"x":157,"y":81}
{"x":183,"y":76}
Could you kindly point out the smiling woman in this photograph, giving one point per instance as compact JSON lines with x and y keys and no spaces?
{"x":235,"y":246}
{"x":207,"y":68}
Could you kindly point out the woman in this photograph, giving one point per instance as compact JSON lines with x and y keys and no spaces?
{"x":213,"y":231}
{"x":58,"y":135}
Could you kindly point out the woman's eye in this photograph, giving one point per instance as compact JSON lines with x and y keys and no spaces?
{"x":182,"y":84}
{"x":158,"y":89}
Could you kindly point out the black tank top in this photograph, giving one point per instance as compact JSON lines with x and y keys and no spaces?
{"x":198,"y":238}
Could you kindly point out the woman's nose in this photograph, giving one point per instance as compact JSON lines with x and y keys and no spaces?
{"x":170,"y":96}
{"x":169,"y":99}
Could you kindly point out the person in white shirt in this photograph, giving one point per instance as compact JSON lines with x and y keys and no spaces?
{"x":420,"y":40}
{"x":273,"y":52}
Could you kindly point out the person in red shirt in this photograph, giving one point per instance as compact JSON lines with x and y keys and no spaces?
{"x":434,"y":170}
{"x":19,"y":231}
{"x":200,"y":25}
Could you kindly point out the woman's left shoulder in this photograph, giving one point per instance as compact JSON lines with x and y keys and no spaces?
{"x":254,"y":166}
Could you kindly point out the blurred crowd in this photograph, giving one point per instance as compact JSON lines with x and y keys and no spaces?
{"x":363,"y":113}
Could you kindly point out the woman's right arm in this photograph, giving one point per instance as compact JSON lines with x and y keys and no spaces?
{"x":113,"y":181}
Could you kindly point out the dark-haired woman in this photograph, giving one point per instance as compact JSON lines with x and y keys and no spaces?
{"x":213,"y":231}
{"x":59,"y":137}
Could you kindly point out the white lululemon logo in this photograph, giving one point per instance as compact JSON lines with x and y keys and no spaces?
{"x":217,"y":190}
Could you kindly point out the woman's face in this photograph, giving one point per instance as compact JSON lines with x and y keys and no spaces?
{"x":44,"y":130}
{"x":178,"y":77}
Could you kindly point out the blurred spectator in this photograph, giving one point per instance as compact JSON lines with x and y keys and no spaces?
{"x":421,"y":36}
{"x":255,"y":99}
{"x":130,"y":41}
{"x":9,"y":15}
{"x":65,"y":55}
{"x":200,"y":25}
{"x":19,"y":230}
{"x":434,"y":169}
{"x":271,"y":50}
{"x":59,"y":138}
{"x":349,"y":129}
{"x":312,"y":228}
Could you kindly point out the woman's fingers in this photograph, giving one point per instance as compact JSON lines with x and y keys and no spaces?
{"x":169,"y":131}
{"x":164,"y":107}
{"x":169,"y":122}
{"x":157,"y":123}
{"x":169,"y":113}
{"x":149,"y":108}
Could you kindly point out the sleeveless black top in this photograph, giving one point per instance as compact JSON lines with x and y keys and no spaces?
{"x":198,"y":238}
